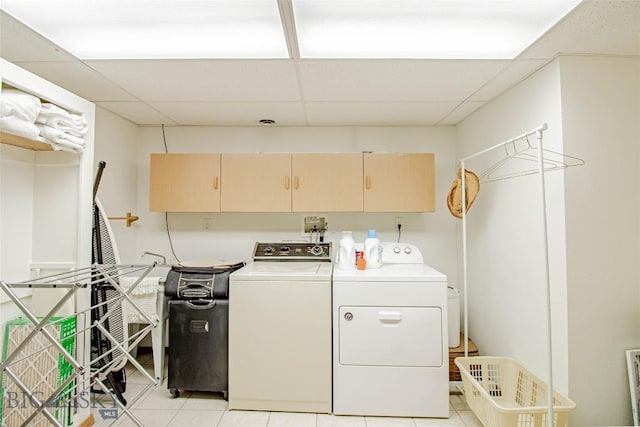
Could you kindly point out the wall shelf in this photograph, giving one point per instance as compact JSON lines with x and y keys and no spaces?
{"x":19,"y":141}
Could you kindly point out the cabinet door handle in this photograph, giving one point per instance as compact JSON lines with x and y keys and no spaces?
{"x":296,"y":182}
{"x":367,"y":183}
{"x":215,"y":183}
{"x":286,"y":182}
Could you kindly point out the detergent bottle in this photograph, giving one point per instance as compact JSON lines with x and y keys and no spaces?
{"x":372,"y":250}
{"x":346,"y":258}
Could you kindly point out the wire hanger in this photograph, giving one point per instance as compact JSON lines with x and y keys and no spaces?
{"x":521,"y":158}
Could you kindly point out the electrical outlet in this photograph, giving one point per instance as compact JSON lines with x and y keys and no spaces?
{"x":206,"y":223}
{"x":309,"y":222}
{"x":398,"y":221}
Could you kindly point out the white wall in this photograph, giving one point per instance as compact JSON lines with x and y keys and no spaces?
{"x":592,"y":108}
{"x":507,"y":284}
{"x":116,"y":144}
{"x":17,"y":172}
{"x":232,"y":235}
{"x":38,"y":223}
{"x":17,"y":182}
{"x":601,"y":116}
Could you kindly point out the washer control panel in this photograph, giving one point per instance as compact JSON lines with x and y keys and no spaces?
{"x":400,"y":253}
{"x":285,"y":251}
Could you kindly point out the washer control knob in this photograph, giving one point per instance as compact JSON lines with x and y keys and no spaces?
{"x":396,"y":250}
{"x":348,"y":316}
{"x":316,"y":250}
{"x":407,"y":250}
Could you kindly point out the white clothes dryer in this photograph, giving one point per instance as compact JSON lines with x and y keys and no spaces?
{"x":390,"y":351}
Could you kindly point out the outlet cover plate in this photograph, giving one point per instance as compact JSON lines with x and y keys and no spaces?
{"x":310,"y":221}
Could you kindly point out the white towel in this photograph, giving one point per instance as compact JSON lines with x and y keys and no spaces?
{"x":15,"y":103}
{"x":18,"y":126}
{"x":61,"y":140}
{"x":148,"y":285}
{"x":144,"y":295}
{"x":74,"y":128}
{"x":58,"y":118}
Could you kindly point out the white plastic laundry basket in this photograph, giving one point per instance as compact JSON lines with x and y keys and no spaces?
{"x":502,"y":392}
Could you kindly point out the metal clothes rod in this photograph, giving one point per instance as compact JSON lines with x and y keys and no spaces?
{"x":538,"y":133}
{"x":540,"y":129}
{"x":97,"y":273}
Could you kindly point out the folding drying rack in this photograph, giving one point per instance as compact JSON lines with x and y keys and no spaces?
{"x":85,"y":375}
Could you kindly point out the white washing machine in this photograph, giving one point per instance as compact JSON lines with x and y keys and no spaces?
{"x":280,"y":329}
{"x":390,"y":351}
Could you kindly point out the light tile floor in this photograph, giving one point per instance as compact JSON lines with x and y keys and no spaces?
{"x":155,"y":407}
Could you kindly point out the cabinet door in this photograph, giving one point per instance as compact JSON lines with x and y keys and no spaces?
{"x":185,"y":183}
{"x":327,"y":182}
{"x":399,"y":182}
{"x":256,"y":183}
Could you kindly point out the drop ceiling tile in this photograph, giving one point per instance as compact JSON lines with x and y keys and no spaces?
{"x":137,"y":112}
{"x":203,"y":79}
{"x":513,"y":74}
{"x":607,"y":27}
{"x":79,"y":79}
{"x":232,"y":113}
{"x":461,"y":112}
{"x":377,"y":113}
{"x":395,"y":80}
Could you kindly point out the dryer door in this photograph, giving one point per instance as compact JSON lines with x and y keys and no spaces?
{"x":390,"y":336}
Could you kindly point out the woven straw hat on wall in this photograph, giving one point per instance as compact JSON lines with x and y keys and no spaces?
{"x":454,"y":198}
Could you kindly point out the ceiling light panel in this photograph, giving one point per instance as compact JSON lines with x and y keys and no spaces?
{"x":443,"y":29}
{"x":144,"y":29}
